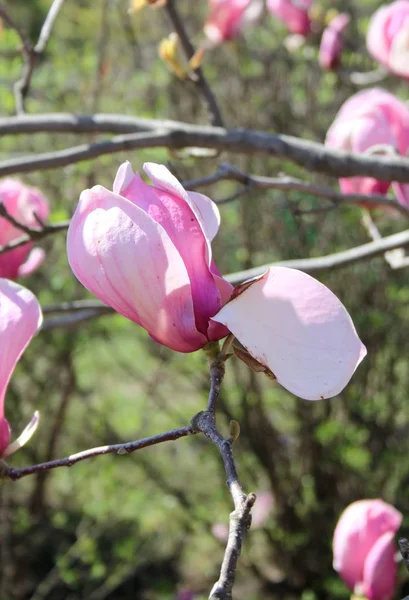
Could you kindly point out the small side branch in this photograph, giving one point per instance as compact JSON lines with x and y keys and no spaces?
{"x":30,"y":233}
{"x":30,"y":52}
{"x":7,"y":472}
{"x":199,"y":79}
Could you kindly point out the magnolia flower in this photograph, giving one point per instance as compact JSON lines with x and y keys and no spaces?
{"x":145,"y":251}
{"x":364,"y":551}
{"x":20,"y":317}
{"x":332,"y":42}
{"x":293,"y":13}
{"x":228,"y":17}
{"x":371,"y":120}
{"x":22,"y":203}
{"x":388,"y":37}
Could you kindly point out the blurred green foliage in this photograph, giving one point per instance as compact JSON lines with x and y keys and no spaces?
{"x":139,"y":526}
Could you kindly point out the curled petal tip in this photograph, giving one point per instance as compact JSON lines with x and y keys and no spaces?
{"x":298,"y":329}
{"x":24,"y":436}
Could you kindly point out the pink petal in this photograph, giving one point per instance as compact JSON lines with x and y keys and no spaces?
{"x":297,"y":328}
{"x":227,"y":18}
{"x":208,"y":213}
{"x":379,"y":578}
{"x":128,"y":260}
{"x":293,"y":13}
{"x":332,"y":41}
{"x":10,"y":262}
{"x":5,"y":435}
{"x":20,"y":317}
{"x":187,"y":220}
{"x":358,"y":529}
{"x":34,"y":260}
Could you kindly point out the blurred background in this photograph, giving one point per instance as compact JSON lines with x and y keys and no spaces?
{"x":142,"y":526}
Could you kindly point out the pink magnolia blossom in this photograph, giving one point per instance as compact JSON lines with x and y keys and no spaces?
{"x":388,"y":37}
{"x":20,"y":317}
{"x":364,"y":551}
{"x":21,"y":202}
{"x":145,"y":250}
{"x":332,"y":42}
{"x":227,"y":18}
{"x":369,"y":120}
{"x":293,"y":13}
{"x":297,"y":329}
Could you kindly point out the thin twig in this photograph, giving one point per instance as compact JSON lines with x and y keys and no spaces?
{"x":331,"y":261}
{"x":240,"y":518}
{"x":198,"y":79}
{"x":30,"y":53}
{"x":30,"y":233}
{"x":127,"y":448}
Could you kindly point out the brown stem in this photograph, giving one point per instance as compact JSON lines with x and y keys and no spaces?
{"x":200,"y":81}
{"x":127,"y":448}
{"x":240,"y":518}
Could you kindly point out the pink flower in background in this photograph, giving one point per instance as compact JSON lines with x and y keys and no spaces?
{"x":21,"y":202}
{"x":20,"y":317}
{"x":227,"y":17}
{"x":388,"y":37}
{"x":293,"y":13}
{"x":332,"y":42}
{"x":145,"y":250}
{"x":371,"y":119}
{"x":364,"y":550}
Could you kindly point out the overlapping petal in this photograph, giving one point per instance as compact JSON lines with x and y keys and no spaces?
{"x":20,"y":317}
{"x":127,"y":259}
{"x":356,"y":535}
{"x":298,"y":329}
{"x":379,"y":577}
{"x":388,"y":37}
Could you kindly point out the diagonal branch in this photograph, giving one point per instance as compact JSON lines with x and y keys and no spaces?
{"x":198,"y":78}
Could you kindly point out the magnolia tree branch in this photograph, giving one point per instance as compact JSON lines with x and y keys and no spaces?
{"x":331,"y":261}
{"x":30,"y":233}
{"x":13,"y":473}
{"x":149,"y":133}
{"x":198,"y":77}
{"x":72,"y":313}
{"x":30,"y":53}
{"x":286,"y":183}
{"x":204,"y":422}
